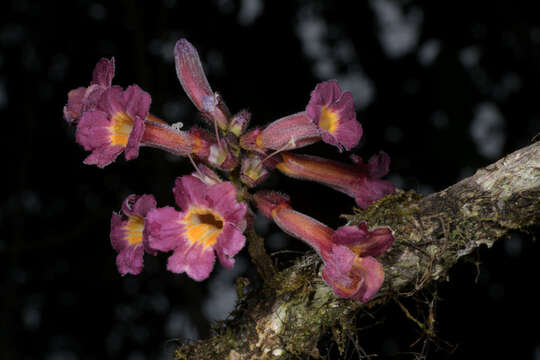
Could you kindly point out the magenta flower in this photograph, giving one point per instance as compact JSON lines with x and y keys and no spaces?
{"x":360,"y":181}
{"x":365,"y":275}
{"x":348,"y":253}
{"x":333,"y":113}
{"x":127,"y":233}
{"x":211,"y":221}
{"x":116,"y":125}
{"x":83,"y":99}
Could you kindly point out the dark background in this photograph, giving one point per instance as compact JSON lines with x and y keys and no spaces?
{"x":443,"y":89}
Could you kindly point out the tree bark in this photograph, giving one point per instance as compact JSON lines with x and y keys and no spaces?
{"x":288,"y":316}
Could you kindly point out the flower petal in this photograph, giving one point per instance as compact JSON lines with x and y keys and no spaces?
{"x":372,"y":273}
{"x":362,"y":241}
{"x":370,"y":190}
{"x":352,"y":276}
{"x":326,"y":92}
{"x":222,"y":198}
{"x":132,"y":148}
{"x":379,"y":165}
{"x":103,"y":72}
{"x":117,"y":232}
{"x":164,"y":229}
{"x":130,"y":260}
{"x":195,"y":261}
{"x":229,"y":243}
{"x":189,"y":190}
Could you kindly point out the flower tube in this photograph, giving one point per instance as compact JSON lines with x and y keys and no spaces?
{"x":360,"y":181}
{"x":290,"y":132}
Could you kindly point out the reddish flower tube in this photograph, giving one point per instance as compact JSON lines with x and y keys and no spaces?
{"x":360,"y":181}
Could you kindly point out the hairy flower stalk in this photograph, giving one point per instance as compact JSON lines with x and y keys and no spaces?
{"x":348,"y":253}
{"x":360,"y":181}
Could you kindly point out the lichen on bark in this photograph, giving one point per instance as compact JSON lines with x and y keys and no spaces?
{"x":287,"y":317}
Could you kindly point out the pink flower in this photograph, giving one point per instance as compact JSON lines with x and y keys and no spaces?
{"x":127,"y":233}
{"x":333,"y":113}
{"x":83,"y":99}
{"x":211,"y":221}
{"x":348,"y":253}
{"x":360,"y":181}
{"x":116,"y":125}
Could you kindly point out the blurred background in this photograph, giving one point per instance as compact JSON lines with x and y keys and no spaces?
{"x":442,"y":88}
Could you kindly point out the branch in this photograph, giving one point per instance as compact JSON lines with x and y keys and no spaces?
{"x":432,"y":233}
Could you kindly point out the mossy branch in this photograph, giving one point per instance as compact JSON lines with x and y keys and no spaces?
{"x":432,"y":233}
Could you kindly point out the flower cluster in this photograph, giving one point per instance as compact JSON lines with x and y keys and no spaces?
{"x":212,"y":213}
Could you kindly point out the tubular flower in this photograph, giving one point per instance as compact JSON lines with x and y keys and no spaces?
{"x":116,"y":125}
{"x":211,"y":221}
{"x":83,"y":99}
{"x":360,"y":181}
{"x":290,"y":132}
{"x":333,"y":113}
{"x":348,"y":253}
{"x":193,"y":80}
{"x":127,"y":233}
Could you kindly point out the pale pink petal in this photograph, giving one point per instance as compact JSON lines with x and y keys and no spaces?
{"x":189,"y":190}
{"x":364,"y":242}
{"x":222,"y":198}
{"x":130,"y":260}
{"x":103,"y":72}
{"x":229,"y":243}
{"x":196,"y":262}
